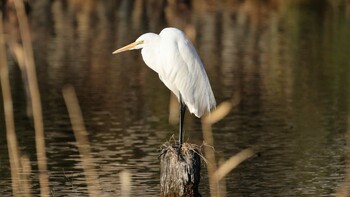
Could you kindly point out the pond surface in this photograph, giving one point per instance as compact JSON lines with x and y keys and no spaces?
{"x":289,"y":63}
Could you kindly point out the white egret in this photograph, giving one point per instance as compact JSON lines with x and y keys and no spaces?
{"x":179,"y":67}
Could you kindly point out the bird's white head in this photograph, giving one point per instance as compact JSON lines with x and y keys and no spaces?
{"x":138,"y":44}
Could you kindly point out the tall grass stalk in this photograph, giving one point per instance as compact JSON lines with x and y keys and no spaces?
{"x":9,"y":117}
{"x":83,"y":143}
{"x":35,"y":96}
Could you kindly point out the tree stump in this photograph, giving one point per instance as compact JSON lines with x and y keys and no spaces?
{"x":180,"y":171}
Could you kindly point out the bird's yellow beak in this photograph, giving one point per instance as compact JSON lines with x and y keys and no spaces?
{"x":125,"y":48}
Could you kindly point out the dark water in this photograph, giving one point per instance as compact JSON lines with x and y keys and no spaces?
{"x":290,"y":64}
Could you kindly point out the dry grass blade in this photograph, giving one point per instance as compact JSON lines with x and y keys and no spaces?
{"x":20,"y":166}
{"x":35,"y":96}
{"x":173,"y":109}
{"x":83,"y":143}
{"x":125,"y":182}
{"x":343,"y":189}
{"x":219,"y":113}
{"x":211,"y":159}
{"x":221,"y":110}
{"x":25,"y":176}
{"x":231,"y":163}
{"x":9,"y":117}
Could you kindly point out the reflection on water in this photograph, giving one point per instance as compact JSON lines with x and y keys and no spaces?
{"x":288,"y":62}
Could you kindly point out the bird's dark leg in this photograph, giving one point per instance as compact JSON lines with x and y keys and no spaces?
{"x":182,"y":116}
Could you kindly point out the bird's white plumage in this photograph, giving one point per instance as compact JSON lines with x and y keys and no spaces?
{"x":174,"y":58}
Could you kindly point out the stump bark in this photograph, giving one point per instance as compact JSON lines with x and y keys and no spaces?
{"x":180,"y":171}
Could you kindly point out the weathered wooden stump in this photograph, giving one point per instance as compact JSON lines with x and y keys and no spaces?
{"x":180,"y":173}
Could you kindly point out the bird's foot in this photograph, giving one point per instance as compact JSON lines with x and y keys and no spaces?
{"x":178,"y":148}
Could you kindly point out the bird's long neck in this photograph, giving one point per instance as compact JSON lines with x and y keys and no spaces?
{"x":150,"y":52}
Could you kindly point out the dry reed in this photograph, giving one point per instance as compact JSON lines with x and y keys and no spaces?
{"x":9,"y":117}
{"x":35,"y":96}
{"x":231,"y":163}
{"x":215,"y":173}
{"x":19,"y":165}
{"x":83,"y":143}
{"x":343,"y":189}
{"x":26,"y":170}
{"x":125,"y":183}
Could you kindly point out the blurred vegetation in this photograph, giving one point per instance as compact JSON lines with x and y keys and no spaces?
{"x":287,"y":60}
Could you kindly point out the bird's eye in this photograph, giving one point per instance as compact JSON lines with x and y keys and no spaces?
{"x":140,"y":42}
